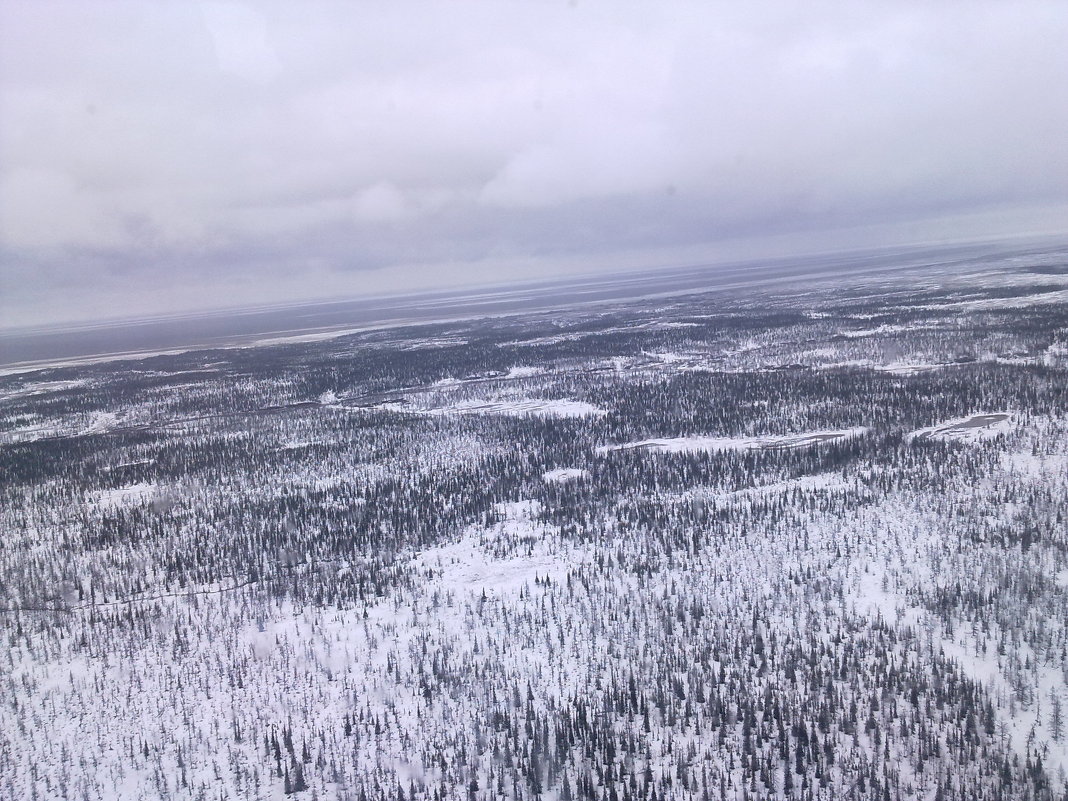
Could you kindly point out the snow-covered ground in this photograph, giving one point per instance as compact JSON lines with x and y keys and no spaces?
{"x":770,"y":442}
{"x":519,"y":407}
{"x":904,"y":368}
{"x":470,"y":565}
{"x":973,"y":428}
{"x":238,"y":589}
{"x":130,"y":495}
{"x":561,"y":474}
{"x":524,"y":371}
{"x":877,"y":331}
{"x":1045,"y":298}
{"x":41,"y":388}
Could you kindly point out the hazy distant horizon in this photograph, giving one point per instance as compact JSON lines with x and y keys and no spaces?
{"x":771,"y":255}
{"x":44,"y":346}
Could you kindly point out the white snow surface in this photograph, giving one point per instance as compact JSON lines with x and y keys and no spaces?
{"x":42,"y":388}
{"x":475,"y":563}
{"x":972,"y":428}
{"x":561,"y":474}
{"x":524,"y":371}
{"x":904,"y":368}
{"x":886,"y":328}
{"x":714,"y":444}
{"x":78,"y":425}
{"x":1049,"y":298}
{"x":33,"y":432}
{"x":519,"y":407}
{"x":1028,"y":724}
{"x":465,"y":565}
{"x":125,"y":496}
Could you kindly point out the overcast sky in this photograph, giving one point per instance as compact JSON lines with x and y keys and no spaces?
{"x":160,"y":156}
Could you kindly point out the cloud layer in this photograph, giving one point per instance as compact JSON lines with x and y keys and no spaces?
{"x":158,"y":156}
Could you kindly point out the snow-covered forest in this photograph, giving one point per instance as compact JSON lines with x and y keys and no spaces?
{"x":808,"y":541}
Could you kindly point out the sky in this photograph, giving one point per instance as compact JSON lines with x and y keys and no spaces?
{"x":162,"y":156}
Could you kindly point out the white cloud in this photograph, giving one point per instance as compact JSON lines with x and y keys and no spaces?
{"x":382,"y":202}
{"x":43,"y":209}
{"x":242,"y":43}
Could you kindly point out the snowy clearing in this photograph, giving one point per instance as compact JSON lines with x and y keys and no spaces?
{"x":42,"y":388}
{"x":713,"y":444}
{"x":32,"y":433}
{"x":466,"y":566}
{"x":125,"y":496}
{"x":901,"y":368}
{"x":524,"y":372}
{"x":974,"y":428}
{"x":470,"y":566}
{"x":517,"y":408}
{"x":882,"y":329}
{"x":562,"y":474}
{"x":101,"y":423}
{"x":875,"y":597}
{"x":997,"y":304}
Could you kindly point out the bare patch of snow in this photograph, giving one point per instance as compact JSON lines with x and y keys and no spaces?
{"x":894,"y":368}
{"x":712,"y":444}
{"x":466,"y":566}
{"x":667,"y":358}
{"x":520,"y":407}
{"x":882,"y":329}
{"x":101,"y":423}
{"x":552,"y":339}
{"x":42,"y":388}
{"x":973,"y":428}
{"x":1050,"y":298}
{"x":874,"y":597}
{"x":125,"y":496}
{"x":438,"y":342}
{"x":562,"y":474}
{"x":908,"y":368}
{"x":473,"y":564}
{"x":314,"y":336}
{"x":32,"y":433}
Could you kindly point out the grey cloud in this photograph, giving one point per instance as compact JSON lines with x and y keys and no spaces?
{"x":287,"y":149}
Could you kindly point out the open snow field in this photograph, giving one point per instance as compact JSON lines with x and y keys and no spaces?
{"x":974,"y":428}
{"x":516,"y":408}
{"x":712,"y":444}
